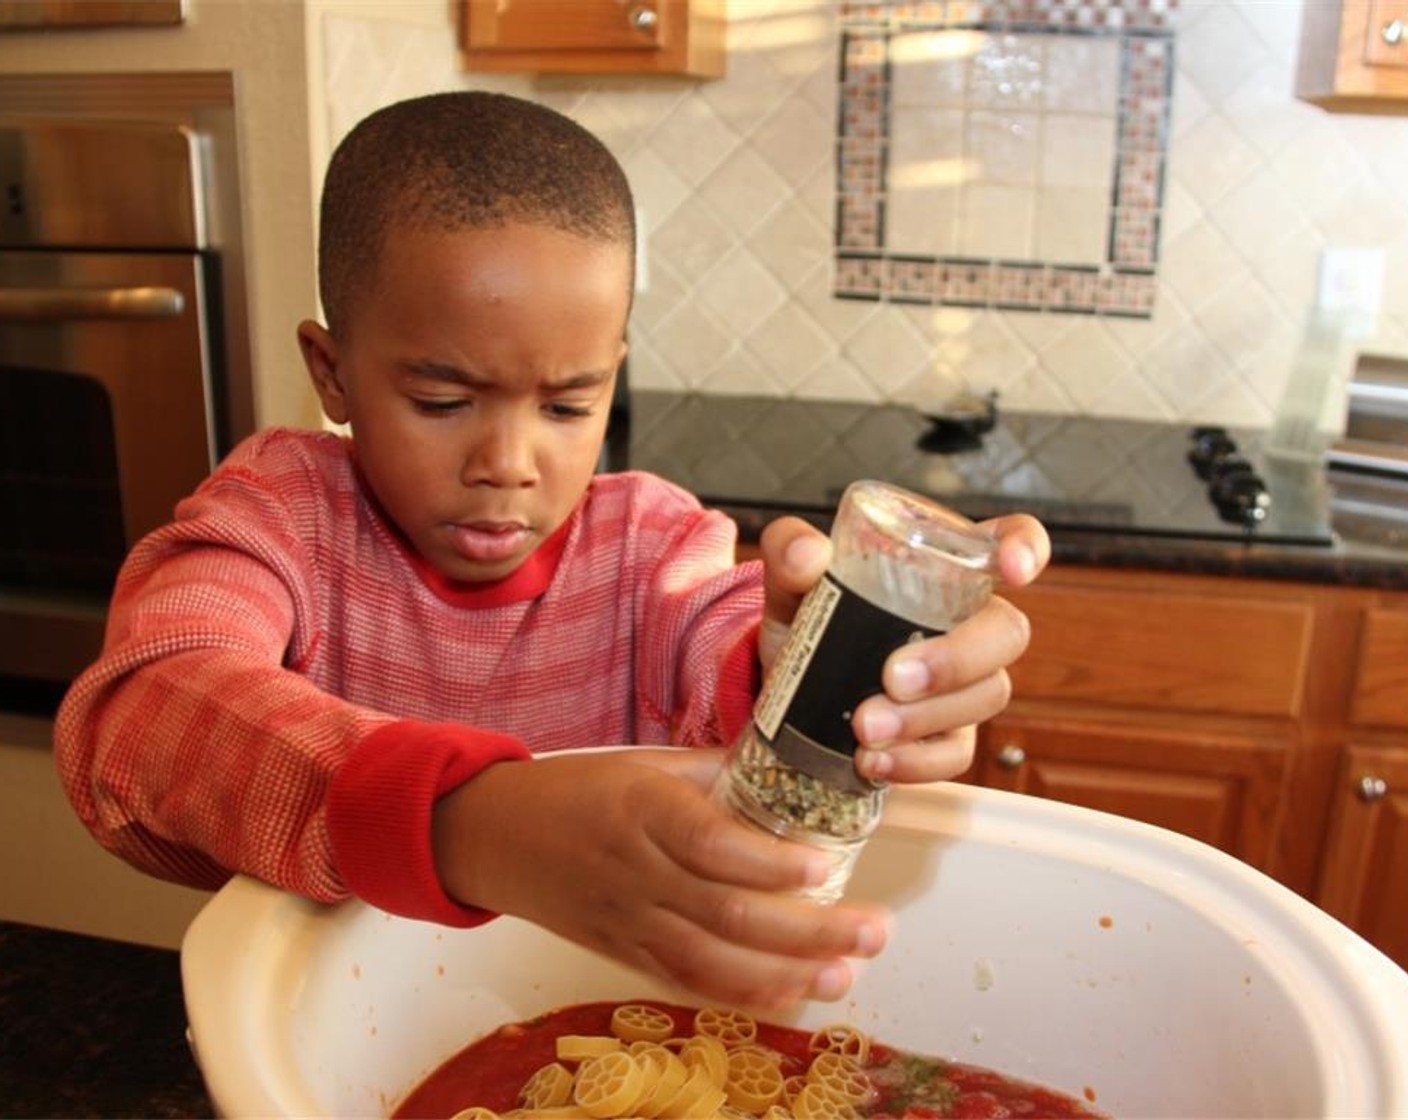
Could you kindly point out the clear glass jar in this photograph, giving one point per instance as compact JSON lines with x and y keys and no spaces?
{"x":902,"y":568}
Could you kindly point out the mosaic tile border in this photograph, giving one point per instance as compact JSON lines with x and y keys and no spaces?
{"x":1124,"y":283}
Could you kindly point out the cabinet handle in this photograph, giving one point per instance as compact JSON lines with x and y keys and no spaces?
{"x":1011,"y":756}
{"x":1372,"y":788}
{"x":1394,"y":31}
{"x":643,"y":18}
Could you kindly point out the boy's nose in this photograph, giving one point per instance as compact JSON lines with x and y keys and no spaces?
{"x":502,"y":455}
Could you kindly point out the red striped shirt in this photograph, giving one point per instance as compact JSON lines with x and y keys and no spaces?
{"x":286,"y":688}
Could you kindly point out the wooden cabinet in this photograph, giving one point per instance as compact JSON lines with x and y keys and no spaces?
{"x":1222,"y":787}
{"x":1364,"y":877}
{"x":1354,"y":55}
{"x":1267,"y":718}
{"x":682,"y":37}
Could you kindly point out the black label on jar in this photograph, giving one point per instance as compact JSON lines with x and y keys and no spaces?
{"x":833,"y":659}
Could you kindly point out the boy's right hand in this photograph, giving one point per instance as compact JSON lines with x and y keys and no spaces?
{"x":624,"y":852}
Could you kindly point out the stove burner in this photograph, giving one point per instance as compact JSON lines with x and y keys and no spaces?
{"x":1238,"y":492}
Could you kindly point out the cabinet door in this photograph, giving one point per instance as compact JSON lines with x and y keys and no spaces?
{"x":1364,"y":877}
{"x":1387,"y":34}
{"x":1222,"y":788}
{"x":562,"y":25}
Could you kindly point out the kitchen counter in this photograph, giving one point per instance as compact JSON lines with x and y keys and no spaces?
{"x":1112,"y":493}
{"x":90,"y":1027}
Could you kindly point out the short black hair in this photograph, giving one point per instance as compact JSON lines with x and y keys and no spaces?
{"x":457,"y":161}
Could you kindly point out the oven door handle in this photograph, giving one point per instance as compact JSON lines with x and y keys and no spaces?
{"x":50,"y":305}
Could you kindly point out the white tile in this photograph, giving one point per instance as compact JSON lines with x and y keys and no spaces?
{"x":1183,"y":368}
{"x":837,"y":378}
{"x":1003,"y":147}
{"x":648,"y":370}
{"x":887,"y":351}
{"x":796,"y":138}
{"x":739,"y":371}
{"x":740,"y":292}
{"x":1232,"y":403}
{"x":1320,"y":167}
{"x":1006,"y":72}
{"x":1077,"y":151}
{"x":743,"y":190}
{"x":1199,"y":264}
{"x":1211,"y":159}
{"x":1368,"y":215}
{"x":1258,"y":215}
{"x":1130,"y":397}
{"x":693,"y":140}
{"x":840,"y":318}
{"x":691,"y":343}
{"x":657,"y":190}
{"x":1242,"y":320}
{"x":791,"y":344}
{"x":1261,"y":110}
{"x":930,"y":68}
{"x":1072,"y":226}
{"x":692,"y":239}
{"x":984,"y":355}
{"x":996,"y":221}
{"x":1081,"y":75}
{"x":923,"y":221}
{"x":793,"y":243}
{"x":1086,"y":361}
{"x":1216,"y":46}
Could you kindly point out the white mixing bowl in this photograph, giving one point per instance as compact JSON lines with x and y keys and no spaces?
{"x":1055,"y":944}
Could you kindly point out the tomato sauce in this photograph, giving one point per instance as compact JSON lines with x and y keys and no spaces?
{"x":907,"y":1086}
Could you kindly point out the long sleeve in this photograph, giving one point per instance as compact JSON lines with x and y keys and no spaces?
{"x":286,"y":689}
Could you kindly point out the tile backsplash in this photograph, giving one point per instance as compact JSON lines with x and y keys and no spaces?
{"x":737,"y":185}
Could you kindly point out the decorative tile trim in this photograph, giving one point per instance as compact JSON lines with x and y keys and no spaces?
{"x":867,"y":267}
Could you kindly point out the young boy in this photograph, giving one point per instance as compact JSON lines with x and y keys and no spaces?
{"x":328,"y":671}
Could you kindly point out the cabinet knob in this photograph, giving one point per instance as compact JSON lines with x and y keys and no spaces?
{"x":1011,"y":756}
{"x":1394,"y":32}
{"x":643,"y":17}
{"x":1372,"y":788}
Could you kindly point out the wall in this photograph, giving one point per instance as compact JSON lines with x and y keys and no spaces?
{"x":263,"y":43}
{"x":736,"y":182}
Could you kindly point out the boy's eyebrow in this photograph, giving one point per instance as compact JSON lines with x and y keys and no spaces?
{"x":441,"y":371}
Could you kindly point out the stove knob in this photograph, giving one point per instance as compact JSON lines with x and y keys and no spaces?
{"x":1241,"y":497}
{"x":1214,"y":444}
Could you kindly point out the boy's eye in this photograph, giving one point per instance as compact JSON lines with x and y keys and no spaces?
{"x":566,"y":410}
{"x":437,"y":406}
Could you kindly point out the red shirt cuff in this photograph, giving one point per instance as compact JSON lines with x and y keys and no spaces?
{"x":379,"y":808}
{"x":740,"y":678}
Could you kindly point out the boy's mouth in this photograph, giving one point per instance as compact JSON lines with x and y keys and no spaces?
{"x":488,"y":542}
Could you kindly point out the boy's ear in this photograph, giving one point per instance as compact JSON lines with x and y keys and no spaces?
{"x":319,"y":351}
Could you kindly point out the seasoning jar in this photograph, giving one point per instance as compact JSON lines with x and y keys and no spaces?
{"x":902,"y":569}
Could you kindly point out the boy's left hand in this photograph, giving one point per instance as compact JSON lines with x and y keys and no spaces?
{"x":922,"y":727}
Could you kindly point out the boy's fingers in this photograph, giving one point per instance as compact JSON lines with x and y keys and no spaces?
{"x":1023,"y":550}
{"x":795,"y":555}
{"x":736,"y":975}
{"x":976,"y":648}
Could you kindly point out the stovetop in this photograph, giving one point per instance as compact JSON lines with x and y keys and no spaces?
{"x":1076,"y":473}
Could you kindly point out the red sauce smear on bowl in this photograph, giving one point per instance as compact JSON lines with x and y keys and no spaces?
{"x":908,"y":1086}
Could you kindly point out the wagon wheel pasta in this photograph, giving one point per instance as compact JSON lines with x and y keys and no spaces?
{"x":609,"y":1084}
{"x":732,"y":1028}
{"x":635,"y":1022}
{"x":711,"y":1064}
{"x":550,"y":1087}
{"x":841,"y":1077}
{"x":754,"y":1082}
{"x":841,"y":1038}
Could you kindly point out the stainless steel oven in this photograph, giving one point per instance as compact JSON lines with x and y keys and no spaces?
{"x":116,"y":389}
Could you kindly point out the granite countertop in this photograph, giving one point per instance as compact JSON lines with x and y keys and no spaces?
{"x":1106,"y":489}
{"x":90,"y":1027}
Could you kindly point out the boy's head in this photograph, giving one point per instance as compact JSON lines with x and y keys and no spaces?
{"x":476,"y":265}
{"x":460,"y":161}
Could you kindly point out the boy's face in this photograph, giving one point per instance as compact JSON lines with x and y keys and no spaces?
{"x":476,"y":375}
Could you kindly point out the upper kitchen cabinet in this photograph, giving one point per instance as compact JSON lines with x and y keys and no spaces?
{"x":1354,"y":55}
{"x":679,"y":37}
